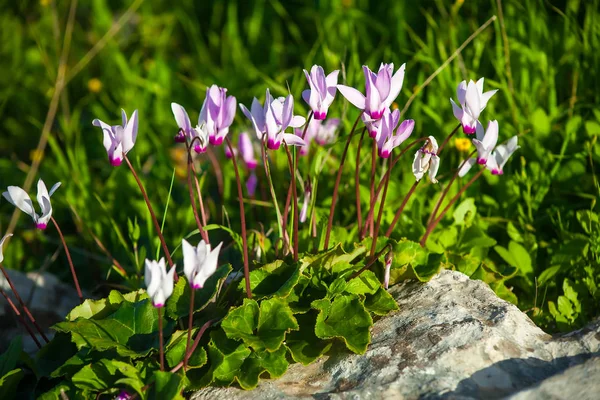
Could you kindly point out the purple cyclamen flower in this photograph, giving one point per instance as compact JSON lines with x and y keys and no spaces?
{"x":381,"y":90}
{"x":485,"y":142}
{"x":495,"y":163}
{"x":20,"y":199}
{"x":198,"y":135}
{"x":119,"y":139}
{"x":123,"y":395}
{"x":200,"y":262}
{"x":273,"y":119}
{"x":246,"y":148}
{"x":322,"y":90}
{"x":217,"y":113}
{"x":426,"y":159}
{"x":472,"y":102}
{"x":159,"y":282}
{"x":321,"y":132}
{"x":388,"y":140}
{"x":251,"y":184}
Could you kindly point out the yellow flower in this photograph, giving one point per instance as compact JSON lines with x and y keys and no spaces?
{"x":395,"y":106}
{"x":94,"y":85}
{"x":36,"y":155}
{"x":462,"y":144}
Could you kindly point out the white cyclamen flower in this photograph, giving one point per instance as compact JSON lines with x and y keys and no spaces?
{"x":119,"y":139}
{"x":1,"y":243}
{"x":20,"y":199}
{"x":159,"y":282}
{"x":426,"y":159}
{"x":495,"y":163}
{"x":472,"y":101}
{"x":199,"y":263}
{"x":486,"y":142}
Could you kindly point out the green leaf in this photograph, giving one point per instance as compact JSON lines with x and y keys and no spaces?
{"x":465,"y":212}
{"x":305,"y":347}
{"x":516,"y":256}
{"x":274,"y":279}
{"x":344,"y":318}
{"x":131,"y":330}
{"x":365,"y":283}
{"x":475,"y":237}
{"x":107,"y":374}
{"x":548,"y":274}
{"x":226,"y":357}
{"x":467,"y":264}
{"x":175,"y":350}
{"x":9,"y":359}
{"x":9,"y":382}
{"x":99,"y":309}
{"x":178,"y":305}
{"x":330,"y":258}
{"x":261,"y":327}
{"x":381,"y":302}
{"x":54,"y":354}
{"x":408,"y":252}
{"x":167,"y":385}
{"x":274,"y":363}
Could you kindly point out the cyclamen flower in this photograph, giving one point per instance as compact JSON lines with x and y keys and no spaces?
{"x":321,"y":132}
{"x":119,"y":139}
{"x":186,"y":132}
{"x":273,"y":119}
{"x":217,"y":113}
{"x":251,"y":184}
{"x":199,"y":263}
{"x":485,"y":143}
{"x":388,"y":140}
{"x":426,"y":159}
{"x":20,"y":199}
{"x":246,"y":148}
{"x":472,"y":102}
{"x":2,"y":243}
{"x":322,"y":90}
{"x":159,"y":282}
{"x":497,"y":160}
{"x":389,"y":257}
{"x":381,"y":90}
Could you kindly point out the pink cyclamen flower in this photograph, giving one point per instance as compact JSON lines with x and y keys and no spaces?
{"x":322,"y":90}
{"x":322,"y":132}
{"x":251,"y":184}
{"x":199,"y":263}
{"x":198,"y":135}
{"x":426,"y":159}
{"x":246,"y":148}
{"x":381,"y":90}
{"x":273,"y":119}
{"x":485,"y":142}
{"x":388,"y":140}
{"x":20,"y":199}
{"x":217,"y":113}
{"x":119,"y":139}
{"x":2,"y":243}
{"x":495,"y":163}
{"x":389,"y":257}
{"x":472,"y":102}
{"x":159,"y":282}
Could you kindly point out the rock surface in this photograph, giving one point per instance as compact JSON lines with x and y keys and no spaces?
{"x":49,"y":300}
{"x":452,"y":338}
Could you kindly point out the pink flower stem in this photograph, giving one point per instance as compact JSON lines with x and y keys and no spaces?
{"x":23,"y":305}
{"x":448,"y":139}
{"x":62,"y":239}
{"x":399,"y":212}
{"x":292,"y":166}
{"x":190,"y":322}
{"x":357,"y":185}
{"x":310,"y":116}
{"x":283,"y":236}
{"x":372,"y":190}
{"x":286,"y":212}
{"x":21,"y":319}
{"x":161,"y":348}
{"x":194,"y":346}
{"x":337,"y":184}
{"x":203,"y":233}
{"x":374,"y":258}
{"x":447,"y":188}
{"x":386,"y":179}
{"x":432,"y":226}
{"x":152,"y":215}
{"x":243,"y":221}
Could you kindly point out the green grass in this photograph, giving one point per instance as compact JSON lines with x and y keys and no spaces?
{"x":542,"y":211}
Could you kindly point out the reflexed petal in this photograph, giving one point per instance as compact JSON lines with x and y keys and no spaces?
{"x":485,"y":97}
{"x":42,"y":192}
{"x":2,"y":243}
{"x":456,"y":110}
{"x":154,"y":280}
{"x":318,"y":75}
{"x":306,"y":96}
{"x":491,"y":135}
{"x":20,"y":199}
{"x":373,"y":100}
{"x":54,"y":188}
{"x":167,"y":284}
{"x":353,"y":96}
{"x":251,"y":184}
{"x":404,"y":131}
{"x":417,"y":170}
{"x":190,"y":265}
{"x":229,"y":110}
{"x":461,"y":92}
{"x":287,"y":111}
{"x":434,"y":165}
{"x":397,"y":82}
{"x":383,"y":83}
{"x":479,"y":85}
{"x":181,"y":117}
{"x":293,"y":140}
{"x":472,"y":100}
{"x":297,"y":121}
{"x":130,"y":132}
{"x":332,"y":78}
{"x":482,"y":152}
{"x":479,"y":131}
{"x":466,"y":167}
{"x":123,"y":118}
{"x":46,"y":212}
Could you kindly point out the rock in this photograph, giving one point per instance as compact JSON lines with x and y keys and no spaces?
{"x":49,"y":300}
{"x":452,"y":338}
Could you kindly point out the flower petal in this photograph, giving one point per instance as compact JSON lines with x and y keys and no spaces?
{"x":466,"y":167}
{"x":130,"y":132}
{"x":20,"y":199}
{"x":353,"y":96}
{"x":181,"y":117}
{"x":293,"y":140}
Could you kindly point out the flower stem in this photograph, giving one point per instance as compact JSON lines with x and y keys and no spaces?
{"x":292,"y":166}
{"x":203,"y":233}
{"x":282,"y":233}
{"x":372,"y":197}
{"x":371,"y":261}
{"x":286,"y":211}
{"x":357,"y":185}
{"x":22,"y":303}
{"x":399,"y":212}
{"x":447,"y":188}
{"x":448,"y":139}
{"x":194,"y":346}
{"x":161,"y":348}
{"x":62,"y":239}
{"x":310,"y":116}
{"x":337,"y":183}
{"x":432,"y":226}
{"x":21,"y":319}
{"x":386,"y":179}
{"x":243,"y":221}
{"x":190,"y":322}
{"x":152,"y":215}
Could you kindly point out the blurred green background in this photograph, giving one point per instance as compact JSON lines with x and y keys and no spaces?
{"x":541,"y":214}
